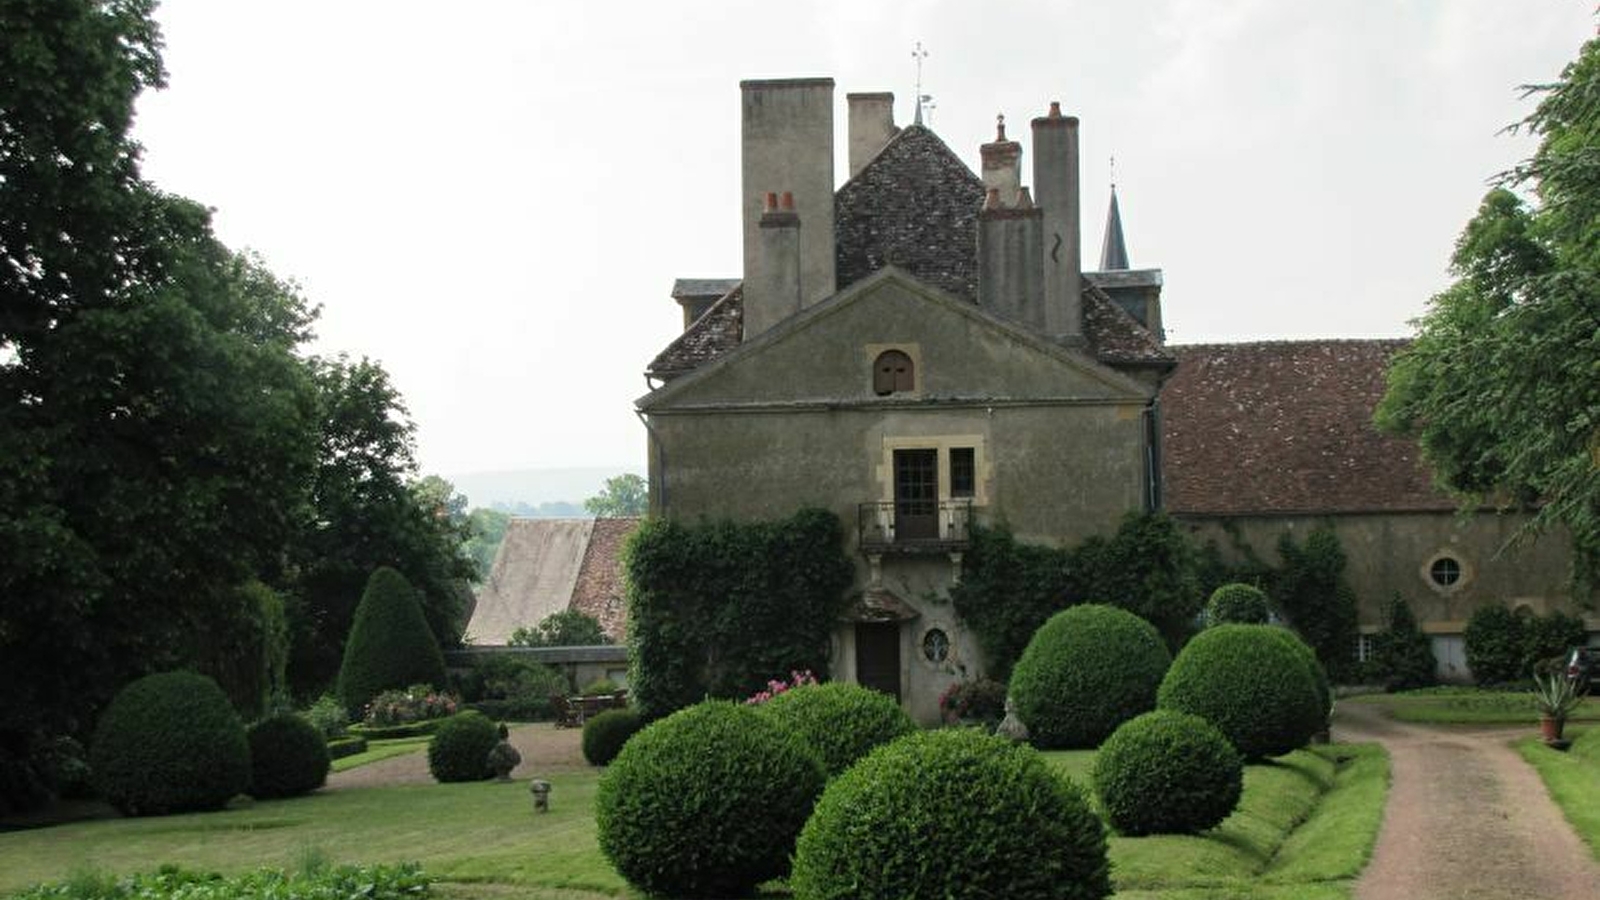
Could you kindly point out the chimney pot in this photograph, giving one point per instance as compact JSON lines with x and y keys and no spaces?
{"x":770,"y":204}
{"x":991,"y":199}
{"x":1024,"y":199}
{"x":1055,"y":109}
{"x":786,"y":203}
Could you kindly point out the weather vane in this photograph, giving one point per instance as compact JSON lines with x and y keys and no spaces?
{"x":919,"y":55}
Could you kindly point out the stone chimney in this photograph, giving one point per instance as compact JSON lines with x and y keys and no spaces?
{"x":1010,"y":256}
{"x":871,"y":127}
{"x":1055,"y":179}
{"x":1002,"y":164}
{"x":787,"y":135}
{"x":776,"y":279}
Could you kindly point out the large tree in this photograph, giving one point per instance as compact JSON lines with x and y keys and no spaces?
{"x":625,"y":495}
{"x":1501,"y":387}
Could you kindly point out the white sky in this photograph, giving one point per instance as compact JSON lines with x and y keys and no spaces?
{"x":493,"y":198}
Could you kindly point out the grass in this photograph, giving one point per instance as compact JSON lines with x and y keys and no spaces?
{"x":377,"y":750}
{"x":1572,"y":778}
{"x":1468,"y":706}
{"x":1305,"y":827}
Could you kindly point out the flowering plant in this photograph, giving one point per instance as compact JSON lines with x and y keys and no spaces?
{"x":414,"y":704}
{"x":982,"y":699}
{"x":775,"y":687}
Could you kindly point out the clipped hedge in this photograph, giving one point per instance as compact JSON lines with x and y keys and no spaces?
{"x":460,"y":747}
{"x":1086,"y":671}
{"x":393,"y":732}
{"x":1240,"y":604}
{"x":952,"y":813}
{"x":706,"y":802}
{"x":288,"y":757}
{"x":339,"y":748}
{"x":170,"y":743}
{"x":840,"y":722}
{"x":1252,"y":683}
{"x":390,"y":644}
{"x":1167,"y":772}
{"x":604,"y":734}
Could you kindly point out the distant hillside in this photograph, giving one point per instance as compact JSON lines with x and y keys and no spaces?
{"x":532,"y":487}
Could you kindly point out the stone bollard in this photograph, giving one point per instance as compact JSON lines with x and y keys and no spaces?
{"x":1011,"y":726}
{"x":541,"y":795}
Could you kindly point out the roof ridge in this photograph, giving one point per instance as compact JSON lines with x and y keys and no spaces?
{"x":902,"y":134}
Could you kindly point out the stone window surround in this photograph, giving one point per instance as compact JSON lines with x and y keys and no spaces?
{"x":1452,"y":553}
{"x":912,"y":351}
{"x":982,"y":466}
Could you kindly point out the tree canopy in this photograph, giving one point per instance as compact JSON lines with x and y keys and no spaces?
{"x":624,"y":495}
{"x":1501,"y":387}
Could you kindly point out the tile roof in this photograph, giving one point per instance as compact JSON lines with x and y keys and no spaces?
{"x":716,"y":332}
{"x":600,"y":590}
{"x":533,"y":576}
{"x":1285,"y":427}
{"x":1117,"y":337}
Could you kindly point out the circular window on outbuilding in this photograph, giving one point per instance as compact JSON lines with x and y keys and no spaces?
{"x":1445,"y":571}
{"x":935,"y":645}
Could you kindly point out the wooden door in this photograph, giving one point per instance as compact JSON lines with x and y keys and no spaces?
{"x":878,"y":656}
{"x":916,"y":495}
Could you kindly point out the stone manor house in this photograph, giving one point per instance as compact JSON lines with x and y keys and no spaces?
{"x":921,"y":348}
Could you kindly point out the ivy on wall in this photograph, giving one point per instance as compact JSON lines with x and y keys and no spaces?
{"x":718,"y":608}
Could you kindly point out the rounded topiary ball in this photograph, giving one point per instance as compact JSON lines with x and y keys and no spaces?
{"x":604,"y":734}
{"x":1314,"y":667}
{"x":1240,"y":604}
{"x":288,"y":757}
{"x":1250,"y":683}
{"x":1167,"y":772}
{"x":1086,"y":671}
{"x":840,"y":722}
{"x":460,"y":747}
{"x":952,"y":813}
{"x":706,"y":802}
{"x":170,"y":743}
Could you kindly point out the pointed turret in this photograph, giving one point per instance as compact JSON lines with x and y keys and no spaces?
{"x":1113,"y":252}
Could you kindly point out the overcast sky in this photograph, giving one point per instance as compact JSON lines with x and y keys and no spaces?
{"x":493,"y":198}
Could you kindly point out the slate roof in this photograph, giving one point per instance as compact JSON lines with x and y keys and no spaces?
{"x":601,"y":591}
{"x":1115,"y":336}
{"x":716,"y":332}
{"x":1285,"y":427}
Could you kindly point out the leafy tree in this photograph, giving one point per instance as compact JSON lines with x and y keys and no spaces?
{"x":1311,"y":591}
{"x":488,"y":530}
{"x":1402,"y":656}
{"x":1501,"y":387}
{"x":567,"y":628}
{"x":624,"y":495}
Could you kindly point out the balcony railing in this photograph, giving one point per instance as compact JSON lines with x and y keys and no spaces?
{"x":914,"y":526}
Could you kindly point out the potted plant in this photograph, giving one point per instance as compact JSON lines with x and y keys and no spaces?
{"x":1556,"y":696}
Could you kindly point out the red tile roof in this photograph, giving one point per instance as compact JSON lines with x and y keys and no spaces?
{"x":600,"y":590}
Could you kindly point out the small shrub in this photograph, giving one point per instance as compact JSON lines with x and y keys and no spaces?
{"x":981,"y":700}
{"x":1402,"y":656}
{"x":64,"y":763}
{"x":339,"y":748}
{"x":519,"y":688}
{"x":390,"y":644}
{"x":938,"y":814}
{"x":1086,"y":671}
{"x":1494,"y":644}
{"x":417,"y":703}
{"x":460,"y":748}
{"x":706,"y":802}
{"x":170,"y":743}
{"x":1241,"y":604}
{"x":328,"y":716}
{"x":288,"y":757}
{"x":599,"y":686}
{"x":1167,"y":772}
{"x":1252,"y":683}
{"x":566,"y":628}
{"x":840,"y":722}
{"x":604,"y":734}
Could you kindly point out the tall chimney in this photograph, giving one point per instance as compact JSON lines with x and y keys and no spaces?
{"x":772,"y":292}
{"x":871,"y":127}
{"x":1055,"y":180}
{"x":1002,"y":164}
{"x":1009,"y":258}
{"x":787,"y":147}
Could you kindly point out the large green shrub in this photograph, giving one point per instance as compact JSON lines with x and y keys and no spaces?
{"x":1311,"y":590}
{"x":1241,"y":604}
{"x":952,"y":813}
{"x":459,"y":750}
{"x":706,"y":802}
{"x":1086,"y":671}
{"x":840,"y":722}
{"x":715,"y":608}
{"x":1494,"y":644}
{"x":170,"y":743}
{"x":1402,"y":656}
{"x":288,"y":757}
{"x":1167,"y":772}
{"x":1147,"y":567}
{"x":564,"y":628}
{"x":1250,"y":682}
{"x":390,"y":644}
{"x":604,"y":734}
{"x":1313,"y":667}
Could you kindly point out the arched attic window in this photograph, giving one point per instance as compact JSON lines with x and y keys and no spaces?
{"x":893,"y":373}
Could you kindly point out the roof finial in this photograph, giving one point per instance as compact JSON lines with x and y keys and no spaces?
{"x":999,"y":127}
{"x":1113,"y":173}
{"x":919,"y":55}
{"x":1113,"y":250}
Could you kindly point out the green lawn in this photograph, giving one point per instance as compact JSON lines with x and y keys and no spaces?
{"x":1468,"y":706}
{"x":1305,"y":828}
{"x":1572,"y":778}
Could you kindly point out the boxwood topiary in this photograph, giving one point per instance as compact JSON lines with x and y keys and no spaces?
{"x":390,"y":644}
{"x":1086,"y":671}
{"x":1241,"y":604}
{"x":1167,"y":772}
{"x":1251,"y":683}
{"x":840,"y":722}
{"x":1319,"y":674}
{"x":288,"y":757}
{"x":604,"y":734}
{"x":460,"y":747}
{"x":170,"y":743}
{"x":943,"y":813}
{"x":706,"y":802}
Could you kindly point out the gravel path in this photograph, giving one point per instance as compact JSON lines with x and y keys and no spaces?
{"x":545,"y":749}
{"x":1466,"y":818}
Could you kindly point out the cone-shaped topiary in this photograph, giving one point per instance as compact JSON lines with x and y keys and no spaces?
{"x":1240,"y":604}
{"x":170,"y":743}
{"x":1167,"y":772}
{"x":459,"y":750}
{"x":288,"y":757}
{"x":840,"y":722}
{"x":1086,"y":671}
{"x":390,"y":645}
{"x":604,"y":734}
{"x":1252,"y":683}
{"x":952,"y":813}
{"x":706,"y":802}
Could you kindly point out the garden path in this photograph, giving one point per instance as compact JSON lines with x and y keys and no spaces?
{"x":1466,"y":818}
{"x":545,"y":749}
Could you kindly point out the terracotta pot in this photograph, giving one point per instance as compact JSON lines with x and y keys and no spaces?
{"x":1550,"y":728}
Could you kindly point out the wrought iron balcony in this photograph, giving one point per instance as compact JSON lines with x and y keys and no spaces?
{"x":914,"y":526}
